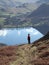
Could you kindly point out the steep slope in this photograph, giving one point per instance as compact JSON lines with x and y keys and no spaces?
{"x":42,"y":11}
{"x":40,"y":18}
{"x":43,"y":1}
{"x":29,"y":54}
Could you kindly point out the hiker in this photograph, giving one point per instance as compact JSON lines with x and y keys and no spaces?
{"x":28,"y":38}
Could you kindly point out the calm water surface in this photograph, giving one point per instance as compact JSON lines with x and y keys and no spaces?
{"x":16,"y":36}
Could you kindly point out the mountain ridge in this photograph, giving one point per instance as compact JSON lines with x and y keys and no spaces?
{"x":43,"y":1}
{"x":2,"y":44}
{"x":43,"y":9}
{"x":39,"y":18}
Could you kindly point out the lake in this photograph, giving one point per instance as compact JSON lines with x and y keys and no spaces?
{"x":16,"y":36}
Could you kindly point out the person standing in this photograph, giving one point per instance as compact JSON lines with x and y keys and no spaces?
{"x":28,"y":38}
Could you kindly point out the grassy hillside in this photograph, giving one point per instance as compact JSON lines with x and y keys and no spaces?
{"x":8,"y":9}
{"x":29,"y":54}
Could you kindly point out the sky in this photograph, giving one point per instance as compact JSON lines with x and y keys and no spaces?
{"x":27,"y":0}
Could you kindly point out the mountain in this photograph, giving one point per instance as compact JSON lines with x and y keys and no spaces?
{"x":44,"y":38}
{"x":27,"y":54}
{"x":42,"y":11}
{"x":9,"y":3}
{"x":16,"y":5}
{"x":9,"y":6}
{"x":43,"y":1}
{"x":39,"y":18}
{"x":1,"y":44}
{"x":9,"y":10}
{"x":13,"y":8}
{"x":29,"y":6}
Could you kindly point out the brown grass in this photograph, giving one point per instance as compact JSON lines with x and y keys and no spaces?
{"x":7,"y":54}
{"x":29,"y":54}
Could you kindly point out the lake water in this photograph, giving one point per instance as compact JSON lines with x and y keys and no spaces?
{"x":16,"y":36}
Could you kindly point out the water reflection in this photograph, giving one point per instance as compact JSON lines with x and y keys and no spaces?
{"x":18,"y":36}
{"x":3,"y":32}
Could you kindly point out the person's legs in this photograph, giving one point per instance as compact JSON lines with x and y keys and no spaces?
{"x":28,"y":41}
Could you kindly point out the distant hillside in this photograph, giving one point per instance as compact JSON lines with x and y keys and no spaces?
{"x":44,"y":38}
{"x":40,"y":18}
{"x":16,"y":7}
{"x":1,"y":44}
{"x":12,"y":12}
{"x":43,"y":1}
{"x":9,"y":3}
{"x":29,"y":54}
{"x":42,"y":11}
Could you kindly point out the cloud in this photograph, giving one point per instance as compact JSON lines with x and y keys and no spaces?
{"x":3,"y":32}
{"x":19,"y":32}
{"x":32,"y":31}
{"x":29,"y":30}
{"x":35,"y":33}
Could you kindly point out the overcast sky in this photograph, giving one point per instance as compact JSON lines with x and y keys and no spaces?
{"x":27,"y":0}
